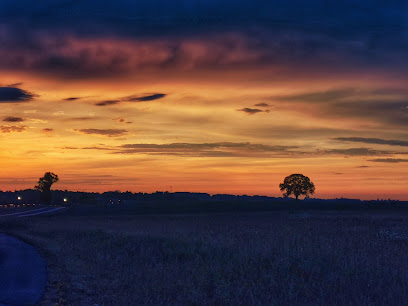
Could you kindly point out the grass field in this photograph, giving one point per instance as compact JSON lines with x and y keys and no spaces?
{"x":296,"y":257}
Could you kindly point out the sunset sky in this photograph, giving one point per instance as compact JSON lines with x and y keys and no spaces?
{"x":212,"y":96}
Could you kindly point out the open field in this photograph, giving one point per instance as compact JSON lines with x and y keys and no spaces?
{"x":283,"y":256}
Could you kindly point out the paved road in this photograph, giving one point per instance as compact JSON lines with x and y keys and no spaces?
{"x":22,"y":272}
{"x":32,"y":212}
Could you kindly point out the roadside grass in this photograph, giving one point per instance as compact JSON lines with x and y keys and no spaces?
{"x":215,"y":259}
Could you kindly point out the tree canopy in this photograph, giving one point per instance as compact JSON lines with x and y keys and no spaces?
{"x":44,"y":185}
{"x":297,"y":184}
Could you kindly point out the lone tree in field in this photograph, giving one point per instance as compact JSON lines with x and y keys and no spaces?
{"x":44,"y":185}
{"x":297,"y":184}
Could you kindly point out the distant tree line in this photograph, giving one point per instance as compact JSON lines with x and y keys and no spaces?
{"x":295,"y":184}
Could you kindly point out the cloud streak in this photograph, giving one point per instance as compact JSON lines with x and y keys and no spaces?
{"x":145,"y":98}
{"x":262,"y":105}
{"x":389,"y":160}
{"x":217,"y":149}
{"x":252,"y":111}
{"x":108,"y":102}
{"x":389,"y":142}
{"x":318,"y":97}
{"x":72,"y":99}
{"x":103,"y":132}
{"x":357,"y":152}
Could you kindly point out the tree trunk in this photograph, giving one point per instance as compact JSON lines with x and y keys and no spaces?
{"x":297,"y":196}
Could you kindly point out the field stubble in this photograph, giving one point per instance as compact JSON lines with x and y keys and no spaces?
{"x":228,"y":258}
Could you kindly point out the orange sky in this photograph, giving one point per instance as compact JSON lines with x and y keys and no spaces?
{"x":84,"y":145}
{"x":218,"y":113}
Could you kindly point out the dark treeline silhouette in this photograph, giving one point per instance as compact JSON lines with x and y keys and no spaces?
{"x":186,"y":201}
{"x":295,"y":184}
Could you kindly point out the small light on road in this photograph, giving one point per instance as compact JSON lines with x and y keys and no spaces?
{"x":65,"y":200}
{"x":19,"y":198}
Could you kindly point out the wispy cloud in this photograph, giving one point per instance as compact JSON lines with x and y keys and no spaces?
{"x":82,"y":118}
{"x":12,"y":129}
{"x":262,"y":105}
{"x":145,"y":98}
{"x":134,"y":98}
{"x":103,"y":132}
{"x":319,"y":96}
{"x":390,"y":142}
{"x":108,"y":102}
{"x":252,"y":111}
{"x":357,"y":152}
{"x":217,"y":149}
{"x":99,"y":148}
{"x":381,"y":107}
{"x":389,"y":160}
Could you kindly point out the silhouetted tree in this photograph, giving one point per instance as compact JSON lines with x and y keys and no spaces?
{"x":44,"y":185}
{"x":297,"y":184}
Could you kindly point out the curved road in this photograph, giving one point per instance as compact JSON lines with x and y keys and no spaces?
{"x":33,"y":212}
{"x":23,"y":273}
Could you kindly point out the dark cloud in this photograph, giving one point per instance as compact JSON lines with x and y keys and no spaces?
{"x":146,"y":98}
{"x":72,"y":99}
{"x":70,"y":148}
{"x":13,"y":119}
{"x":401,"y":143}
{"x":262,"y":105}
{"x":389,"y":160}
{"x":318,"y":33}
{"x":82,"y":118}
{"x":47,"y":130}
{"x":100,"y":148}
{"x":108,"y":102}
{"x":14,"y":95}
{"x":357,"y":152}
{"x":252,"y":111}
{"x":103,"y":132}
{"x":12,"y":129}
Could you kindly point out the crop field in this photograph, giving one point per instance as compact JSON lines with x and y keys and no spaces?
{"x":285,"y":257}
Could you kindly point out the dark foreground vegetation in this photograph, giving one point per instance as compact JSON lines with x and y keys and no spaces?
{"x":297,"y":256}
